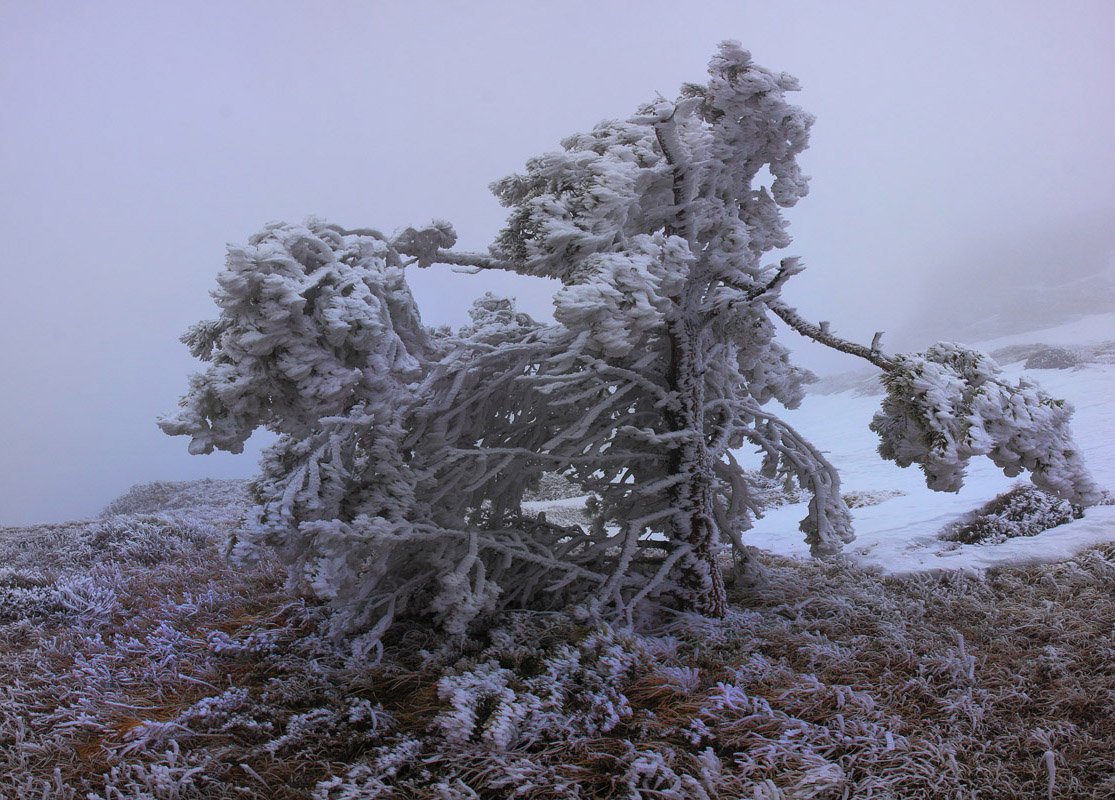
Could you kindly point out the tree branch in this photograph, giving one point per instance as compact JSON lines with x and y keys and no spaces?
{"x":477,"y":260}
{"x":788,"y":268}
{"x":821,"y":334}
{"x":818,"y":333}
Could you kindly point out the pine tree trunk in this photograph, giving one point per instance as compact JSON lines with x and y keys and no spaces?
{"x":695,"y":519}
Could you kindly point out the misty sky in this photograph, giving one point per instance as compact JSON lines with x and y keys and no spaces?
{"x":137,"y":139}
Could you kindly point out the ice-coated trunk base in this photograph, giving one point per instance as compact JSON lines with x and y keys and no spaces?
{"x":702,"y":572}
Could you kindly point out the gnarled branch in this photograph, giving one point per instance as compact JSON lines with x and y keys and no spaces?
{"x":821,"y":334}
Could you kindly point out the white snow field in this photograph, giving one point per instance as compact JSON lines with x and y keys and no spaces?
{"x":901,"y":535}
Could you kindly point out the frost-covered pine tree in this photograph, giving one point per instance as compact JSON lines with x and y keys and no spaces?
{"x":658,"y":226}
{"x":398,"y":481}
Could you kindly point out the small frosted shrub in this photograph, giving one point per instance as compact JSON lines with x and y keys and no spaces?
{"x":332,"y":728}
{"x":227,"y":713}
{"x":775,"y":491}
{"x":146,"y":540}
{"x":1052,"y":358}
{"x":163,"y":496}
{"x":143,"y":498}
{"x":1023,"y":511}
{"x":70,"y":597}
{"x":513,"y":696}
{"x":552,"y":486}
{"x":871,"y":497}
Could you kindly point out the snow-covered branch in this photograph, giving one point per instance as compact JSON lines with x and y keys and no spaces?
{"x":478,"y":260}
{"x":820,"y":333}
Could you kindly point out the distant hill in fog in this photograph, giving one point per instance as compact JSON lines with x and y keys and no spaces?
{"x":1038,"y":279}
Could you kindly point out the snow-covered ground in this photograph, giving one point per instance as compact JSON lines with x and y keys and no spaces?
{"x":901,"y":534}
{"x":1091,"y":329}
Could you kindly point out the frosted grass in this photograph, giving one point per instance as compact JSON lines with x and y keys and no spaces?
{"x":140,"y":664}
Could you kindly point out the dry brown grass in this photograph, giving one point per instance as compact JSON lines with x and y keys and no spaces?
{"x":826,"y":681}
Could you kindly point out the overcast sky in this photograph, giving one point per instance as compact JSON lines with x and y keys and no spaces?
{"x":137,"y":139}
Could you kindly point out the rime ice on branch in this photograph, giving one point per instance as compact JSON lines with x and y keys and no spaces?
{"x":398,"y":480}
{"x":949,"y":404}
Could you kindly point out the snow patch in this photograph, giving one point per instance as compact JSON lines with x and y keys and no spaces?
{"x":901,"y":536}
